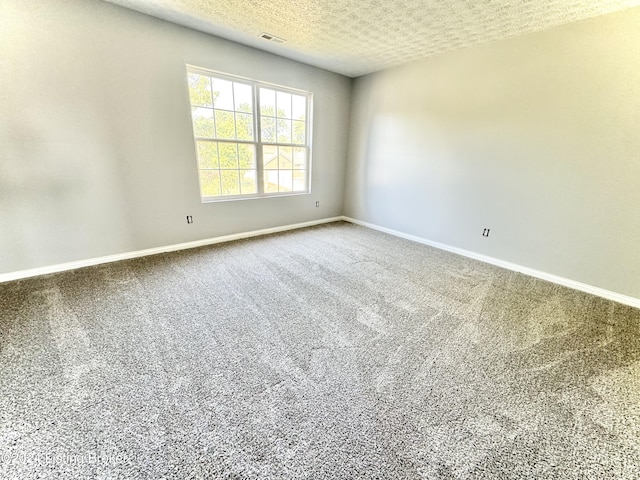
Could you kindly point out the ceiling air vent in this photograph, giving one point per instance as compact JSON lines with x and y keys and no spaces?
{"x":272,"y":38}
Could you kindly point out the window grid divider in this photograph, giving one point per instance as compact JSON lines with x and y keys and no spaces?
{"x":258,"y":135}
{"x":257,"y":142}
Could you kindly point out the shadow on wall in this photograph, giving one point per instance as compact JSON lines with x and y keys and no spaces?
{"x":60,"y":193}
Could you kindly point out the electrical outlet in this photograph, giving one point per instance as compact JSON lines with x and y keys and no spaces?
{"x":189,"y":219}
{"x":485,"y":232}
{"x":317,"y":204}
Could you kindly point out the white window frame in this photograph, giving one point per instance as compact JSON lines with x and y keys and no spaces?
{"x":257,"y":142}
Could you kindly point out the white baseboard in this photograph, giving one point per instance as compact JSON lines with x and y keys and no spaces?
{"x":600,"y":292}
{"x":33,"y":272}
{"x":583,"y":287}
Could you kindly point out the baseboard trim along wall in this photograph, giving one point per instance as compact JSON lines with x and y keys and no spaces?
{"x":34,"y":272}
{"x":600,"y":292}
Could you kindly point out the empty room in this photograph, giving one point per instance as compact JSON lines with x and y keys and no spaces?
{"x":319,"y":239}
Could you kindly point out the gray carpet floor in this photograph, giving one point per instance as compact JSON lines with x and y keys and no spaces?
{"x":329,"y":352}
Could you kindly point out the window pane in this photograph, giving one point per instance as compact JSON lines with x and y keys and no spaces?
{"x":222,"y":94}
{"x":203,"y":125}
{"x":283,"y":102}
{"x":243,"y":97}
{"x":299,"y":180}
{"x":208,"y":155}
{"x":228,"y":155}
{"x":268,"y":126}
{"x":298,"y":133}
{"x":267,"y":102}
{"x":248,"y":181}
{"x":284,"y":131}
{"x":230,"y":182}
{"x":224,"y":117}
{"x":270,"y":181}
{"x":225,"y":125}
{"x":299,"y":108}
{"x":286,"y":180}
{"x":300,"y":158}
{"x":246,"y":156}
{"x":285,"y":159}
{"x":244,"y":126}
{"x":209,"y":183}
{"x":200,"y":90}
{"x":270,"y":157}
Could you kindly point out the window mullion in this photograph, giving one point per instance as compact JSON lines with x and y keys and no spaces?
{"x":258,"y":135}
{"x":284,"y":185}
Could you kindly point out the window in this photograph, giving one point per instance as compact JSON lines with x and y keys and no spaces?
{"x":252,"y":139}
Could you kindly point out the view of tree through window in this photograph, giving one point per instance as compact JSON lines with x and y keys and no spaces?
{"x":241,"y":152}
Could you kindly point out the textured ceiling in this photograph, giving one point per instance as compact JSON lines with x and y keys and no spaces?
{"x":355,"y":37}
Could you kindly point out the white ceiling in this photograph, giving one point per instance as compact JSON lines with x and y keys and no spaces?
{"x":355,"y":37}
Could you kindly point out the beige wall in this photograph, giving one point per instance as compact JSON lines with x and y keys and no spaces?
{"x":536,"y":138}
{"x":96,"y":148}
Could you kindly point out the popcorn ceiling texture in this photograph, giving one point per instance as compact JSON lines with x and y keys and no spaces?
{"x":355,"y":37}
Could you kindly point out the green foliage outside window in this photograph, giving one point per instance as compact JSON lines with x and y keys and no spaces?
{"x":223,"y":120}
